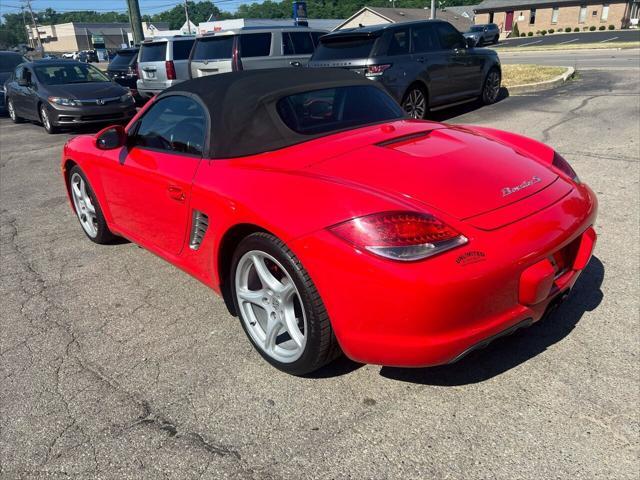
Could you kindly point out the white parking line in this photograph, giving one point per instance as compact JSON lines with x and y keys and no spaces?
{"x":530,"y":43}
{"x":608,"y":39}
{"x":569,"y":41}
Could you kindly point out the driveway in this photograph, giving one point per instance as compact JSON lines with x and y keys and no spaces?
{"x":115,"y":365}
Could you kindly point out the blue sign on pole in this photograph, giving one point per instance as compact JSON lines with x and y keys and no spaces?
{"x":300,"y":13}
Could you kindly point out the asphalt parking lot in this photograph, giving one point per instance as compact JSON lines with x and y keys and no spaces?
{"x":573,"y":38}
{"x":114,"y":364}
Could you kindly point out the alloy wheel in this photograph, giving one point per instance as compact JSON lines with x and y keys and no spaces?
{"x":12,"y":111}
{"x":491,"y":87}
{"x":270,"y":306}
{"x":44,"y":116}
{"x":415,"y":104}
{"x":84,"y":206}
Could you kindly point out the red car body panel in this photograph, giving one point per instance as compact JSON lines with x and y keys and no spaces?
{"x":382,"y":311}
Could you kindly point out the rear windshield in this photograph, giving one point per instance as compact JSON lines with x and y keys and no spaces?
{"x":153,"y":52}
{"x":9,"y":61}
{"x":182,"y":49}
{"x":213,"y":48}
{"x":124,"y":59}
{"x":344,"y":47}
{"x":334,"y":109}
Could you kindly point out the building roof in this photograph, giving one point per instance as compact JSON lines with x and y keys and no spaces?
{"x":242,"y":106}
{"x":499,"y":5}
{"x":400,"y":15}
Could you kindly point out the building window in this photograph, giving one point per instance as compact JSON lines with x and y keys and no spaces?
{"x":583,"y":14}
{"x":532,"y":17}
{"x":490,"y":17}
{"x":554,"y":15}
{"x":605,"y":12}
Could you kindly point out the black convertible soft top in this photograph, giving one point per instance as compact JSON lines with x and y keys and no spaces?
{"x":242,"y":106}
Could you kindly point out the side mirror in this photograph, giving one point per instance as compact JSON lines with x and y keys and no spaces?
{"x":111,"y":137}
{"x":470,"y":42}
{"x":23,"y":82}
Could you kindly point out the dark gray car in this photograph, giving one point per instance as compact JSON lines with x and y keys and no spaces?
{"x":425,"y":65}
{"x":61,"y":93}
{"x":484,"y":34}
{"x":8,"y":63}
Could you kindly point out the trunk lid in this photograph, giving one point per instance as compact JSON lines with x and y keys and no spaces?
{"x":461,"y":173}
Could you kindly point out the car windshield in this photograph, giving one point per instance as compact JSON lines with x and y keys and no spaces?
{"x":336,"y":48}
{"x":476,"y":29}
{"x":61,"y":74}
{"x":124,"y":59}
{"x":334,"y":109}
{"x":9,"y":61}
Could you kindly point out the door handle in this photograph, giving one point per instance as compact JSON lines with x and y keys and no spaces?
{"x":295,"y":64}
{"x":176,"y":193}
{"x":420,"y":59}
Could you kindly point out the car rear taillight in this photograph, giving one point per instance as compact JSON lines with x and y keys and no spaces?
{"x":403,"y":236}
{"x":171,"y":70}
{"x":561,"y":164}
{"x":376,"y":70}
{"x":139,"y":72}
{"x":236,"y":61}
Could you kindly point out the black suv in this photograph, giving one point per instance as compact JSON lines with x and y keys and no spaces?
{"x":425,"y":65}
{"x":123,"y":69}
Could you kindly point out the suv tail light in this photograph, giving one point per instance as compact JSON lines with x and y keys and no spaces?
{"x":236,"y":61}
{"x":376,"y":70}
{"x":139,"y":72}
{"x":405,"y":236}
{"x":561,"y":164}
{"x":171,"y":70}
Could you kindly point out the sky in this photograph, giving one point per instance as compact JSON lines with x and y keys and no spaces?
{"x":146,"y":6}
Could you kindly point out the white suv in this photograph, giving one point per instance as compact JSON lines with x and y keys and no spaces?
{"x":163,"y":62}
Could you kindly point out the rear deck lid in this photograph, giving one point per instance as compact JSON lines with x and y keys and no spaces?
{"x":455,"y":171}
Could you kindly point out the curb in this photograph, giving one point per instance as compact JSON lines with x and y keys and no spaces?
{"x":540,"y":86}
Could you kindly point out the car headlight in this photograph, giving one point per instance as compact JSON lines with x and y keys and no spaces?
{"x":66,"y":102}
{"x":127,"y":97}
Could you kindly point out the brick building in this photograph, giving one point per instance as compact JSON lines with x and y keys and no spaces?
{"x":536,"y":15}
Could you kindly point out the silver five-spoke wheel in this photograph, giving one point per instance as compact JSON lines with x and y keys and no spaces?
{"x":270,"y":306}
{"x":84,"y":205}
{"x":415,"y":103}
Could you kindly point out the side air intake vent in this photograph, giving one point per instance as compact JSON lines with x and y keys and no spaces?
{"x":199,"y":225}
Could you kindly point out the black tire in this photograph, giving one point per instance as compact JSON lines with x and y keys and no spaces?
{"x":45,"y":120}
{"x":104,"y":236}
{"x":491,"y":89}
{"x":411,"y":92}
{"x":12,"y":112}
{"x":496,"y":39}
{"x":321,"y":346}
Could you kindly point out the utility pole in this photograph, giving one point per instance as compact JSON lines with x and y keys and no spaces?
{"x":35,"y":26}
{"x":186,"y":14}
{"x":433,"y":9}
{"x":136,"y":22}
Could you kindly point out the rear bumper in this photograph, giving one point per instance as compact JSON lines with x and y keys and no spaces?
{"x":434,"y":311}
{"x":149,"y":90}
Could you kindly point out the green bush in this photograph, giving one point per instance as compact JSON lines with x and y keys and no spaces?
{"x":576,"y":29}
{"x":611,"y":27}
{"x":543,"y":32}
{"x":530,"y":34}
{"x":592,"y":28}
{"x":567,"y":30}
{"x":551,"y":30}
{"x":602,"y":27}
{"x":523,"y":34}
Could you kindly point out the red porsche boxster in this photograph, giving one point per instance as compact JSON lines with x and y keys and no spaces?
{"x":331,"y":223}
